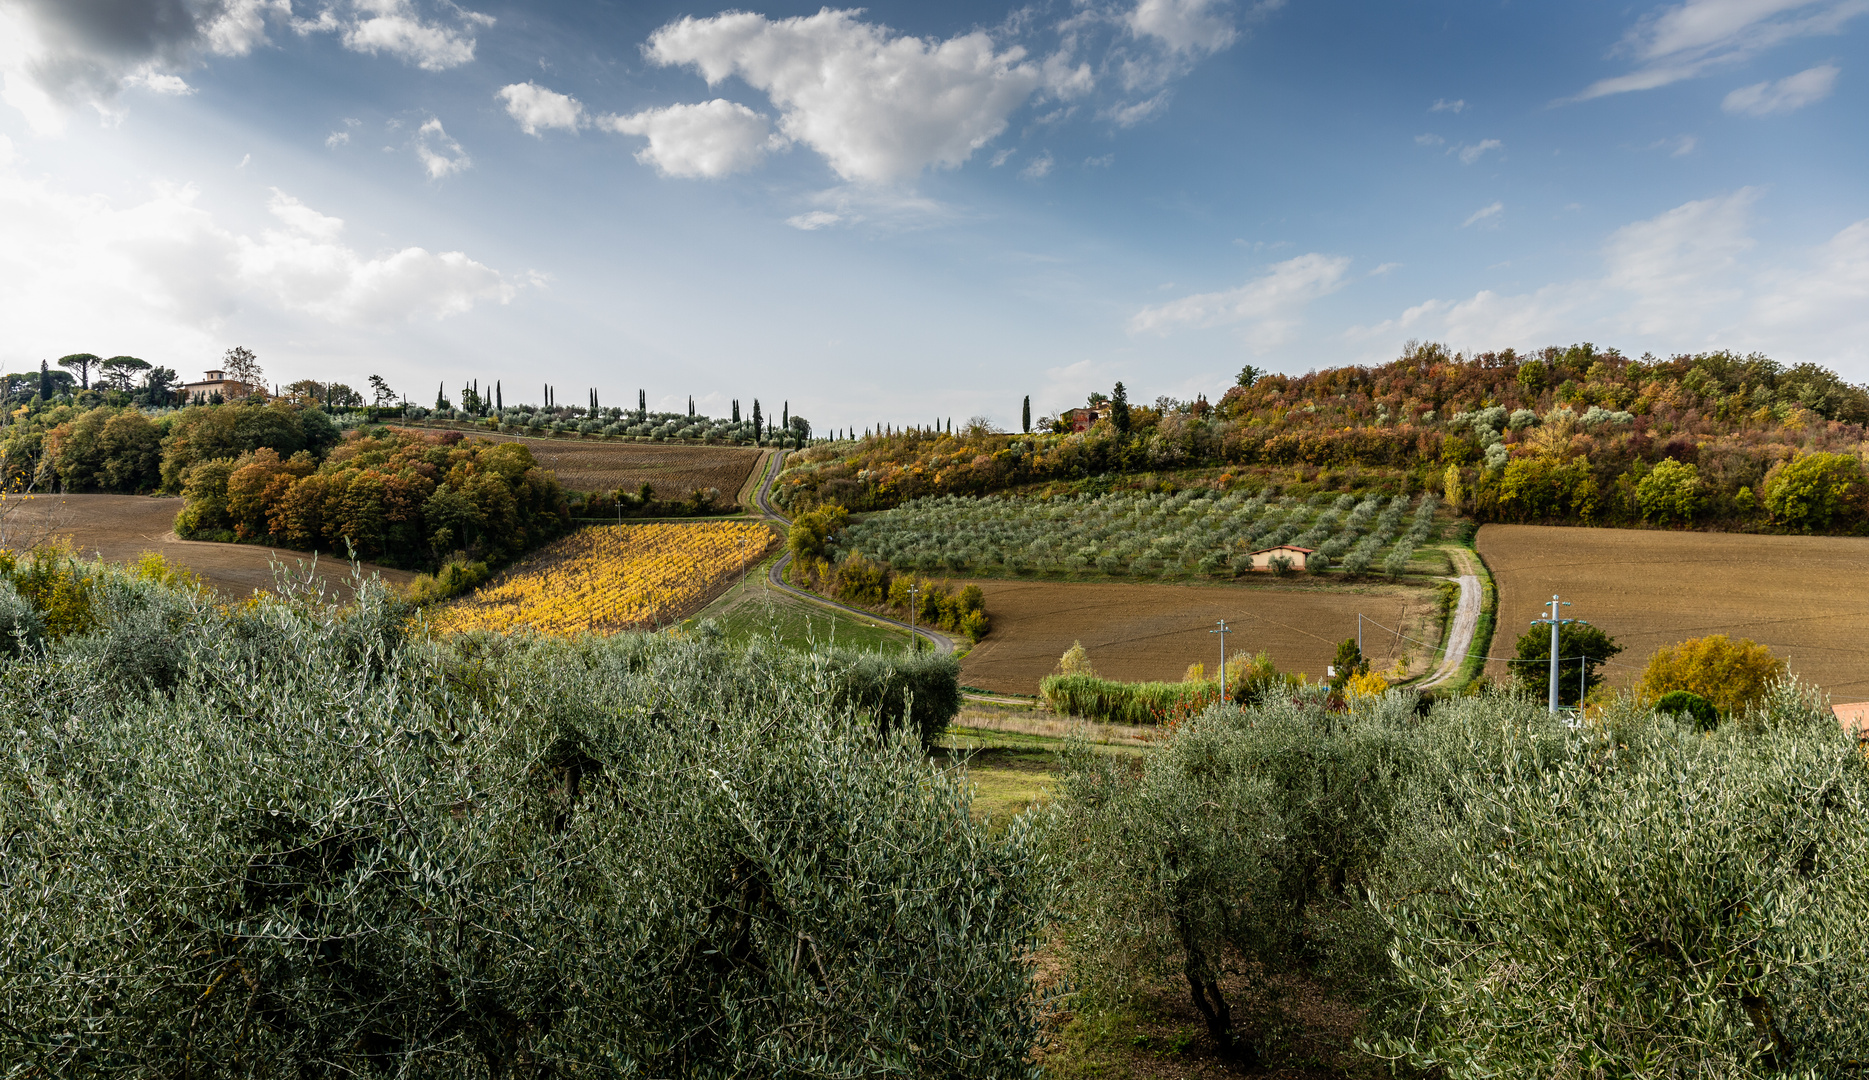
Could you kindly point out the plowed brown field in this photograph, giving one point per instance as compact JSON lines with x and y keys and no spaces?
{"x":1805,"y":597}
{"x":118,"y":528}
{"x":1140,"y":632}
{"x":674,"y":471}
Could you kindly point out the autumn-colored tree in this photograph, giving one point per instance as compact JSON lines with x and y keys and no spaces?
{"x":1812,"y":489}
{"x":1670,"y":493}
{"x":242,"y":366}
{"x":1731,"y":674}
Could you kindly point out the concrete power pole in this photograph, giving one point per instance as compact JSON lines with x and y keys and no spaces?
{"x":1556,"y":622}
{"x":1223,"y":657}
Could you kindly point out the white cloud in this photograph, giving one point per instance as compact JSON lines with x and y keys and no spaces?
{"x":1195,"y":27}
{"x":1681,"y":280}
{"x":1785,"y":95}
{"x":1692,"y":38}
{"x":336,"y":139}
{"x":536,"y":107}
{"x":811,"y":222}
{"x":713,"y":138}
{"x":173,"y":85}
{"x":1129,"y":114}
{"x":441,"y":156}
{"x":1430,"y":139}
{"x":56,"y":55}
{"x":161,"y":275}
{"x":1443,"y":105}
{"x":1038,"y":168}
{"x":1269,"y":305}
{"x":396,"y":27}
{"x":1473,"y":153}
{"x":879,"y":107}
{"x":1489,"y":214}
{"x":1002,"y":157}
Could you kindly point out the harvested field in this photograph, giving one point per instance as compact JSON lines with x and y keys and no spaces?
{"x":674,"y":471}
{"x":1142,"y":632}
{"x":118,"y":528}
{"x":1801,"y":596}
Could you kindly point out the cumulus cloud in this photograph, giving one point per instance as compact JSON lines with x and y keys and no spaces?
{"x":1690,"y":39}
{"x":163,"y":273}
{"x":1785,"y":95}
{"x":1195,"y":27}
{"x":713,"y":138}
{"x":1686,"y":278}
{"x":59,"y":54}
{"x":398,"y":28}
{"x":440,"y":155}
{"x":1443,"y":105}
{"x":1269,"y":306}
{"x":535,"y":107}
{"x":1038,"y":168}
{"x":879,"y":107}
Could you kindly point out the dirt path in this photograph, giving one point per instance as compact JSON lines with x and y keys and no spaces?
{"x":1466,"y":619}
{"x":118,"y":528}
{"x":776,"y":575}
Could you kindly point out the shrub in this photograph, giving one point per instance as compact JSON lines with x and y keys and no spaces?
{"x":1733,"y":675}
{"x":329,"y":850}
{"x":1580,"y":645}
{"x":22,"y":628}
{"x":1670,"y":493}
{"x":1811,"y":490}
{"x":1690,"y":706}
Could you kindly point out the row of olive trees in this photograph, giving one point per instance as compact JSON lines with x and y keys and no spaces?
{"x":1507,"y":895}
{"x":284,"y":841}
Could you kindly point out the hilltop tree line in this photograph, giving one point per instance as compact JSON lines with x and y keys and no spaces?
{"x":1566,"y":435}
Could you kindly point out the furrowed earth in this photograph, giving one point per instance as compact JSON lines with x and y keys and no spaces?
{"x":1139,"y":632}
{"x":1804,"y":597}
{"x":600,"y":465}
{"x":118,"y":528}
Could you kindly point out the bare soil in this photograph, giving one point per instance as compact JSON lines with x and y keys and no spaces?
{"x":1804,"y":597}
{"x":118,"y":528}
{"x":674,"y":471}
{"x":1142,"y":632}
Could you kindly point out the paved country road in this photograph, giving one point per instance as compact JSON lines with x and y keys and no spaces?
{"x":776,"y":575}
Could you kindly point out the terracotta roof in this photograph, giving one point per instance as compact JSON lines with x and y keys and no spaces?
{"x":1854,"y":717}
{"x":1307,"y":551}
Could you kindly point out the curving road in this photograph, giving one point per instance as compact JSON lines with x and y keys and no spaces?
{"x":1466,"y":620}
{"x":776,"y":575}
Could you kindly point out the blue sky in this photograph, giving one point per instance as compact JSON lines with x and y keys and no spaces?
{"x":910,"y":210}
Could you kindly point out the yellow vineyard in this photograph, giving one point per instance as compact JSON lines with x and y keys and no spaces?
{"x":608,"y":578}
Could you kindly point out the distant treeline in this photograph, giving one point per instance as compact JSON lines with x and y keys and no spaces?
{"x":277,"y":473}
{"x":1576,"y":435}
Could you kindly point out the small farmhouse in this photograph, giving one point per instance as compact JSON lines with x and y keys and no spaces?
{"x":1262,"y":560}
{"x":1081,"y":419}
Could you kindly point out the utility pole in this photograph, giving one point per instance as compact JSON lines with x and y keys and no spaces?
{"x":1223,"y":657}
{"x":1555,"y":622}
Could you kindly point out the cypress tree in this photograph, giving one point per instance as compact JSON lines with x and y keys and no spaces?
{"x":785,"y":417}
{"x":45,"y":382}
{"x":756,"y":421}
{"x":499,"y":401}
{"x":691,"y":405}
{"x":1025,"y":415}
{"x":441,"y":395}
{"x":1119,"y":409}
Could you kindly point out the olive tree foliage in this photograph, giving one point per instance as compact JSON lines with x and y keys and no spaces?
{"x":298,"y":843}
{"x":1509,"y":895}
{"x":1245,"y":844}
